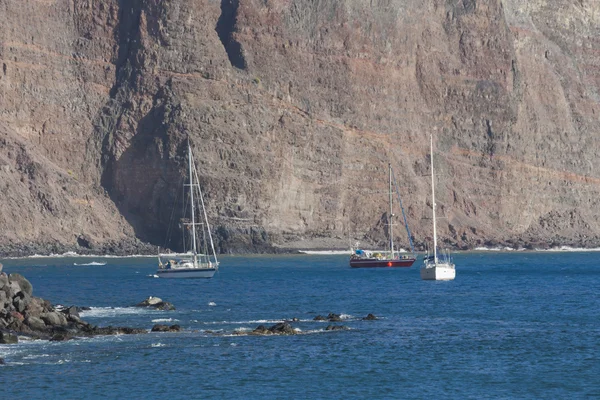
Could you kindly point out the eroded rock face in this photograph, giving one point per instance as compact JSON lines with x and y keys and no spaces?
{"x":293,"y":110}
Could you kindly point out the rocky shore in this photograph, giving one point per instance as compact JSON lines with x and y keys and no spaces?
{"x":22,"y":314}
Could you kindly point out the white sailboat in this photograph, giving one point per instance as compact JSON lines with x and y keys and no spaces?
{"x":436,"y":267}
{"x":193,"y":264}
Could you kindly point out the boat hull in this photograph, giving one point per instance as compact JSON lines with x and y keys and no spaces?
{"x":186,"y":273}
{"x":377,"y":263}
{"x":438,"y":273}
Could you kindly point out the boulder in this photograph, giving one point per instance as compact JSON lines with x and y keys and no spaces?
{"x":3,"y":280}
{"x":156,"y":302}
{"x":319,"y":318}
{"x":2,"y":359}
{"x":8,"y":338}
{"x":35,"y":323}
{"x":1,"y":267}
{"x":12,"y":288}
{"x":71,"y":311}
{"x":17,"y":315}
{"x":21,"y":301}
{"x":370,"y":317}
{"x":24,"y":284}
{"x":149,"y":302}
{"x":3,"y":299}
{"x":37,"y":307}
{"x":54,"y":318}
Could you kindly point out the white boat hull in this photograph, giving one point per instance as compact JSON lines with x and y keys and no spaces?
{"x":438,"y":272}
{"x":186,"y":273}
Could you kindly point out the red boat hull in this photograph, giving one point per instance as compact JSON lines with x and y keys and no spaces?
{"x":376,"y":263}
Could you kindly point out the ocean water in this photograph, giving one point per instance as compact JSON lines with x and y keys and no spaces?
{"x":512,"y":325}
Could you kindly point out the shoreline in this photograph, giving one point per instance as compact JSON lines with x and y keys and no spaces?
{"x":309,"y":252}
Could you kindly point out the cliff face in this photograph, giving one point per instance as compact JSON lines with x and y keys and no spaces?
{"x":294,"y":108}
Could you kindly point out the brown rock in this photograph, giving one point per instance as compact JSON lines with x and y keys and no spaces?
{"x":288,"y":108}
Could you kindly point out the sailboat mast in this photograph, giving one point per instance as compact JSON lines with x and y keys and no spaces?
{"x":391,"y":213}
{"x":192,"y":201}
{"x":433,"y":204}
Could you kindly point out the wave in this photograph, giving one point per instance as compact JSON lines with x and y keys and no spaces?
{"x":258,"y":321}
{"x":105,"y":312}
{"x":212,"y":304}
{"x":165,"y":320}
{"x":493,"y":249}
{"x":569,"y":249}
{"x":91,"y":263}
{"x":553,"y":249}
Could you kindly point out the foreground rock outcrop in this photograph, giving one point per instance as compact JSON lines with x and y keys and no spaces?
{"x":21,"y":313}
{"x":294,"y":109}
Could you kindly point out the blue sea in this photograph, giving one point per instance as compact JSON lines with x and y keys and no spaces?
{"x":513,"y":325}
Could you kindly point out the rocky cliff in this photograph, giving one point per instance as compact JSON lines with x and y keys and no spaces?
{"x":294,"y":108}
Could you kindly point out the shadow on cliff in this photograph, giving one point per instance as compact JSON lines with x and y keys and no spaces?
{"x":225,"y":29}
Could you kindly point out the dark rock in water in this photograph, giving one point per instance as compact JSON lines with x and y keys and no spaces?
{"x":336,"y":328}
{"x":261,"y":330}
{"x":370,"y":317}
{"x":282,"y":328}
{"x":334,"y":317}
{"x":74,"y":311}
{"x":166,"y":328}
{"x":319,"y":318}
{"x":60,"y":337}
{"x":8,"y":338}
{"x":2,"y":359}
{"x":156,"y":302}
{"x":110,"y":330}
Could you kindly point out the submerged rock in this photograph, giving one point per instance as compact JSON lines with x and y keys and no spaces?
{"x":8,"y":338}
{"x":336,"y":328}
{"x":281,"y":328}
{"x":166,"y":328}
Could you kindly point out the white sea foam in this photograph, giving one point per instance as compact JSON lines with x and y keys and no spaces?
{"x":165,"y":320}
{"x":91,"y":263}
{"x":212,"y":304}
{"x":71,"y":254}
{"x":568,"y":249}
{"x":493,"y":249}
{"x":259,"y":321}
{"x":324,"y":252}
{"x":158,"y":345}
{"x":103,"y":312}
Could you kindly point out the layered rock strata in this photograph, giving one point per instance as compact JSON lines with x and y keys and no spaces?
{"x":294,"y":109}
